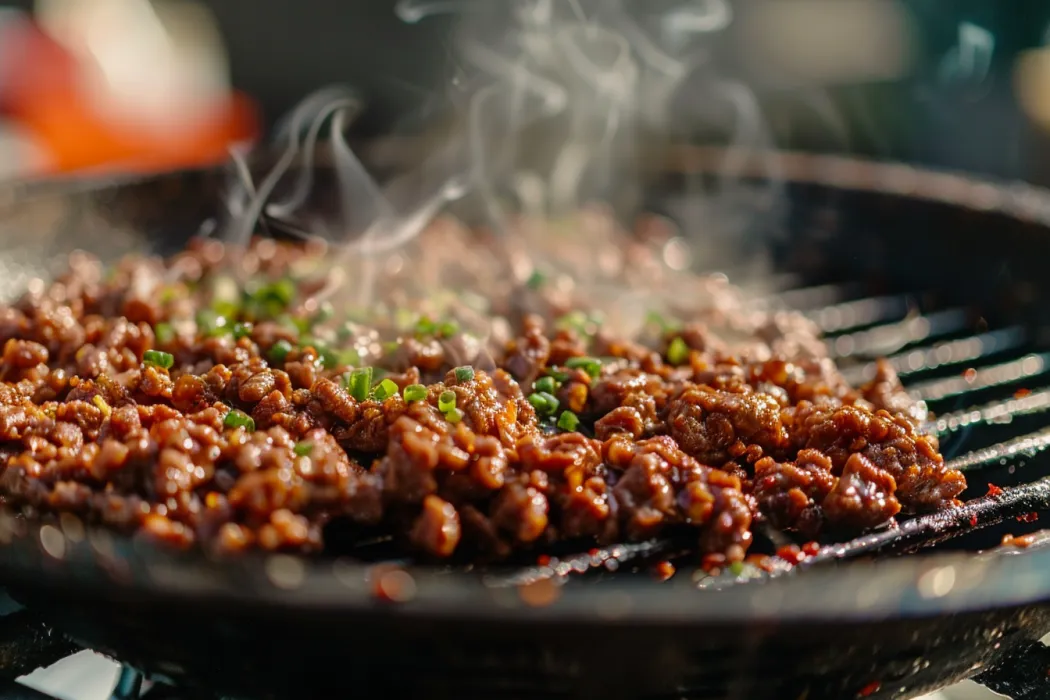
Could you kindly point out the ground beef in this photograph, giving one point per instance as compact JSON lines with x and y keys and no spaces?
{"x":226,"y":402}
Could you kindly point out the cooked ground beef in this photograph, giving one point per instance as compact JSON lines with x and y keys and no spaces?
{"x":217,"y":399}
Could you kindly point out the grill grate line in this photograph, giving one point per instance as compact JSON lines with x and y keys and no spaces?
{"x":1024,"y":446}
{"x":944,"y":354}
{"x":1009,"y":372}
{"x":860,"y":312}
{"x":994,"y":413}
{"x":891,"y":338}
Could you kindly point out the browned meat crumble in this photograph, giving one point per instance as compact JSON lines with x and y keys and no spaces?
{"x":216,"y":399}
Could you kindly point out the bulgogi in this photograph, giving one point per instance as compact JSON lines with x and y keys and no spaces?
{"x":226,"y":398}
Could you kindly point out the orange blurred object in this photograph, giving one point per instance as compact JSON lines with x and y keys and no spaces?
{"x":44,"y":93}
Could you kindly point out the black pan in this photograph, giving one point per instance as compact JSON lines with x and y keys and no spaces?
{"x":886,"y":627}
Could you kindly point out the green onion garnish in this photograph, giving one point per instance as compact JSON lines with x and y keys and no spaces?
{"x":280,"y":350}
{"x":736,"y":568}
{"x":590,"y":365}
{"x":158,"y":358}
{"x":447,"y":401}
{"x":242,"y":330}
{"x":209,"y":322}
{"x":239,"y":419}
{"x":349,"y":358}
{"x":385,"y":389}
{"x":677,"y":351}
{"x":164,"y":333}
{"x":544,"y":403}
{"x":303,"y":448}
{"x":226,"y":309}
{"x":574,"y":320}
{"x":464,"y":374}
{"x":280,"y":292}
{"x":568,"y":421}
{"x":294,"y":323}
{"x":328,"y":358}
{"x":557,"y":376}
{"x":415,"y":392}
{"x":424,"y":326}
{"x":448,"y":329}
{"x":359,"y":383}
{"x":536,"y":280}
{"x":390,"y":347}
{"x":324,"y":312}
{"x":454,"y":415}
{"x":545,"y":384}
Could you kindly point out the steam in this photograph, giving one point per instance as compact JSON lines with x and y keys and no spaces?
{"x":555,"y":107}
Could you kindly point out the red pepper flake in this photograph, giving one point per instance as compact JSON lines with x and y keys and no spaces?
{"x":1028,"y":517}
{"x":869,"y":689}
{"x":994,"y":490}
{"x":811,"y":549}
{"x":1021,"y":393}
{"x":791,"y":553}
{"x":970,"y":374}
{"x":543,"y":560}
{"x":973,"y":520}
{"x":663,"y":570}
{"x":594,"y":552}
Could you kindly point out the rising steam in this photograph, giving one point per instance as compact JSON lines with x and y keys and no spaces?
{"x":556,"y":105}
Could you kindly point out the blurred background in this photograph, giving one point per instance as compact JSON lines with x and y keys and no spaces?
{"x":137,"y":84}
{"x":91,"y":85}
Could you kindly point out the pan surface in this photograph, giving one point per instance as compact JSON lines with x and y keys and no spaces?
{"x":286,"y":627}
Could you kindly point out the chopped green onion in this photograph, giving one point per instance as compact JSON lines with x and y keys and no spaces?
{"x":239,"y":419}
{"x":568,"y":421}
{"x":280,"y":292}
{"x":226,"y":309}
{"x":328,"y":358}
{"x":574,"y":320}
{"x":242,"y":330}
{"x":359,"y":383}
{"x":736,"y":568}
{"x":390,"y":347}
{"x":448,"y":329}
{"x":447,"y":401}
{"x":164,"y":333}
{"x":158,"y":358}
{"x":544,"y":403}
{"x":464,"y":374}
{"x":557,"y":376}
{"x":545,"y":384}
{"x":280,"y":350}
{"x":168,"y":293}
{"x":324,"y":312}
{"x":536,"y":280}
{"x":424,"y":326}
{"x":677,"y":351}
{"x":590,"y":365}
{"x":454,"y":415}
{"x":655,"y":319}
{"x":385,"y":390}
{"x":210,"y":322}
{"x":415,"y":392}
{"x":303,"y":448}
{"x":349,"y":358}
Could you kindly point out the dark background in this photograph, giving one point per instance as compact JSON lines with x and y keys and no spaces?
{"x":281,"y":49}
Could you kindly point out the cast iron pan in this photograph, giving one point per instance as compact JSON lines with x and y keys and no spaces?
{"x":885,"y":627}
